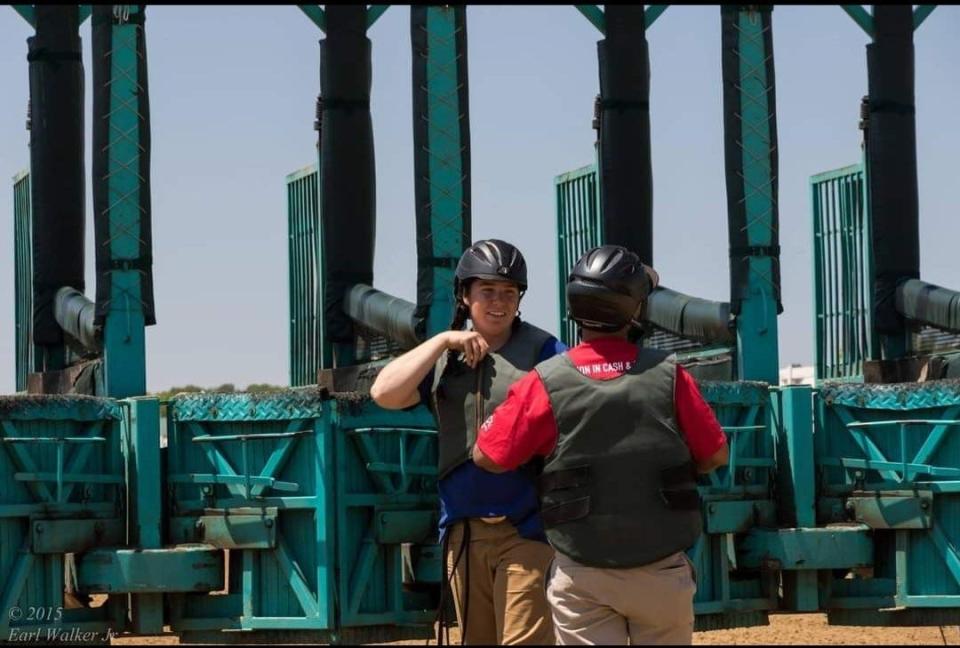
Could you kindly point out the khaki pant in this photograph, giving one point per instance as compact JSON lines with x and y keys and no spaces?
{"x":652,"y":604}
{"x":505,"y":601}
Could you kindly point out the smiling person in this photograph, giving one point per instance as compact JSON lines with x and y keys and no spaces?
{"x":623,"y":430}
{"x":494,"y":543}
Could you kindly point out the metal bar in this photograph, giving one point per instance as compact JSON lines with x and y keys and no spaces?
{"x":57,"y":440}
{"x":653,"y":12}
{"x":594,"y":14}
{"x":59,"y":475}
{"x":862,"y":17}
{"x":247,"y":581}
{"x":227,"y":480}
{"x":369,"y":430}
{"x":69,"y":478}
{"x":316,"y":14}
{"x":27,"y":13}
{"x":937,"y":422}
{"x":743,"y":428}
{"x":374,"y":12}
{"x":103,"y":509}
{"x":920,"y":14}
{"x":203,"y":438}
{"x":382,"y":467}
{"x":890,"y":466}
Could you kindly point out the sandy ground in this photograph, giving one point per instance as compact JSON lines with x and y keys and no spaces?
{"x":784,"y":629}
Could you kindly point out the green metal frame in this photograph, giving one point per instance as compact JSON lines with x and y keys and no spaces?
{"x":124,"y":324}
{"x":864,"y":18}
{"x":757,"y":350}
{"x":28,"y":356}
{"x":60,"y":462}
{"x":888,"y":454}
{"x":595,"y":15}
{"x":319,"y":17}
{"x":842,"y":274}
{"x":307,"y":344}
{"x":579,"y":228}
{"x":28,"y":13}
{"x":445,"y":173}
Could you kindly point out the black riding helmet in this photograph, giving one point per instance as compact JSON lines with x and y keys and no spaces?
{"x":607,"y":287}
{"x":491,"y":259}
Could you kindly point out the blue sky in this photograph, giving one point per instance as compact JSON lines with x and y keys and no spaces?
{"x":232,"y":102}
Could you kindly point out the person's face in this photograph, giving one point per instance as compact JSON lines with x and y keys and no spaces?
{"x":493,"y":306}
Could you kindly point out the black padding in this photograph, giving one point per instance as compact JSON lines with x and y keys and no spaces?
{"x":682,"y":475}
{"x":626,"y":174}
{"x":347,"y":191}
{"x":891,"y":140}
{"x":56,"y":163}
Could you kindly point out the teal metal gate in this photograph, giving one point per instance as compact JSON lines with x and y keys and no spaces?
{"x":579,"y":228}
{"x":26,"y":360}
{"x":843,"y":275}
{"x":313,"y":496}
{"x":887,"y":459}
{"x":304,"y":248}
{"x":62,"y":491}
{"x":736,"y":498}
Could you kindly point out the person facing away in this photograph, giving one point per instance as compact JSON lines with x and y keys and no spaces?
{"x":493,"y":540}
{"x":623,"y":430}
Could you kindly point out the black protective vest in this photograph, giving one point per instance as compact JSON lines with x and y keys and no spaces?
{"x":619,"y":490}
{"x":463,"y":398}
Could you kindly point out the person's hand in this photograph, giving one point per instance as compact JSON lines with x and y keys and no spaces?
{"x":470,"y":343}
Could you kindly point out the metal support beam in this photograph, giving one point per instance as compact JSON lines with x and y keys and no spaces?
{"x":750,"y":142}
{"x":441,"y":133}
{"x":860,"y":16}
{"x":374,"y":12}
{"x":27,"y":13}
{"x":920,"y":14}
{"x":316,"y":14}
{"x":594,"y":14}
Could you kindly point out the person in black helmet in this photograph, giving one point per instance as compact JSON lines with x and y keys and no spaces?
{"x":623,"y":430}
{"x":494,"y":544}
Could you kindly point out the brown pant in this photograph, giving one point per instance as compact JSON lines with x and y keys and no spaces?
{"x":652,"y":604}
{"x":505,"y":597}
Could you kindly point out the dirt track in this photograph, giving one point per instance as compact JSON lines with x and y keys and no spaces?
{"x":783,"y":629}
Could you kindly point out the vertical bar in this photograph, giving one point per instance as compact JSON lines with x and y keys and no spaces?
{"x":903,"y":452}
{"x":247,"y":582}
{"x":60,"y":471}
{"x":145,"y":501}
{"x":796,"y":482}
{"x":902,"y":558}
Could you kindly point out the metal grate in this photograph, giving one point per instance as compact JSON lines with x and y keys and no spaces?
{"x":579,"y":228}
{"x":23,"y":262}
{"x":843,"y":274}
{"x":306,"y":323}
{"x":932,"y":340}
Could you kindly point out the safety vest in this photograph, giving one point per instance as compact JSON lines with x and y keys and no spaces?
{"x":465,"y":397}
{"x":620,"y":488}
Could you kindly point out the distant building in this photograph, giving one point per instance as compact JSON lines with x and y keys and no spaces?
{"x":796,"y":374}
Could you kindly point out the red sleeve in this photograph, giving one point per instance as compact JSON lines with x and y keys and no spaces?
{"x":696,"y":419}
{"x":522,"y":427}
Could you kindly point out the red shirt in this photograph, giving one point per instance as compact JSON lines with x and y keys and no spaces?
{"x":523,"y":426}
